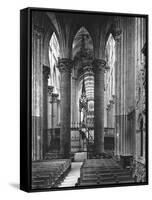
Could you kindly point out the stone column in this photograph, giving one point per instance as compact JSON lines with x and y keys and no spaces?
{"x":58,"y":112}
{"x":65,"y":66}
{"x":50,"y":90}
{"x":117,"y":37}
{"x":73,"y":99}
{"x":55,"y":111}
{"x":99,"y":68}
{"x":46,"y":71}
{"x":54,"y":119}
{"x":37,"y":93}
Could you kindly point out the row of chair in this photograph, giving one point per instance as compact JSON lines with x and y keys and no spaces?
{"x":103,"y":171}
{"x":48,"y":174}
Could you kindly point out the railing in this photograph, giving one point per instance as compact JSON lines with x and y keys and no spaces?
{"x":107,"y":131}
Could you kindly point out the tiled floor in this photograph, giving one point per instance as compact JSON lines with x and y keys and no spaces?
{"x":72,"y":176}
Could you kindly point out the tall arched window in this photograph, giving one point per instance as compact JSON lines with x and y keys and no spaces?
{"x":54,"y":81}
{"x":110,"y":59}
{"x":54,"y":52}
{"x":110,"y":81}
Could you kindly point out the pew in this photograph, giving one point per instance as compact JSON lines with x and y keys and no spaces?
{"x":48,"y":174}
{"x":103,"y":171}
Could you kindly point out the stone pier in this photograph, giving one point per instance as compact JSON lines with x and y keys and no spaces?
{"x":65,"y":66}
{"x":99,"y":68}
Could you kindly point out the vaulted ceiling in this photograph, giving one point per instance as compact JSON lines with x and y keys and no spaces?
{"x":68,"y":28}
{"x":82,"y":43}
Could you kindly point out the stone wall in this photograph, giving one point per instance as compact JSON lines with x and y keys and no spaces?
{"x":39,"y":30}
{"x":37,"y":93}
{"x":140,"y":36}
{"x":130,"y":36}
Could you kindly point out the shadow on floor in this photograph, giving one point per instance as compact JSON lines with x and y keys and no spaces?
{"x":15,"y":185}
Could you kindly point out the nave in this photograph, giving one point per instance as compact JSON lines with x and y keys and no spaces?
{"x":89,"y":78}
{"x":64,"y":173}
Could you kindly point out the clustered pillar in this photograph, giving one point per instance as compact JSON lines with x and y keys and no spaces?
{"x":65,"y":66}
{"x":99,"y":68}
{"x":50,"y":91}
{"x":46,"y":72}
{"x":117,"y":37}
{"x":54,"y":113}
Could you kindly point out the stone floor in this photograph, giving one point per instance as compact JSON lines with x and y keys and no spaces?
{"x":72,"y":176}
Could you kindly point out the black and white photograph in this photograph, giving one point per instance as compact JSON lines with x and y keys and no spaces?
{"x":88,"y":99}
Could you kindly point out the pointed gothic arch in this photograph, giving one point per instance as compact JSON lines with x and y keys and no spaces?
{"x":82,"y":36}
{"x":54,"y":54}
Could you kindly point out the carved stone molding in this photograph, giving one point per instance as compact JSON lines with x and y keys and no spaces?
{"x":88,"y":68}
{"x":50,"y":90}
{"x":139,"y":171}
{"x":117,"y":29}
{"x":55,"y":97}
{"x":37,"y":32}
{"x":38,"y":29}
{"x":65,"y":65}
{"x":99,"y":65}
{"x":107,"y":67}
{"x":140,"y":88}
{"x":117,"y":35}
{"x":108,"y":106}
{"x":86,"y":62}
{"x":144,"y":49}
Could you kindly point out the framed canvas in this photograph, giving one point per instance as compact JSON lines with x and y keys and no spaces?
{"x":83,"y":99}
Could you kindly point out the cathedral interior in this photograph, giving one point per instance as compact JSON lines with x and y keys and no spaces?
{"x":88,"y":99}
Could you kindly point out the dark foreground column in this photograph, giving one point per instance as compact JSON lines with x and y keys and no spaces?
{"x":50,"y":91}
{"x":46,"y":71}
{"x":118,"y":85}
{"x":98,"y":68}
{"x":65,"y":66}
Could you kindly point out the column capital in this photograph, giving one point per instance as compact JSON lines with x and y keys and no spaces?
{"x":65,"y":65}
{"x":117,"y":35}
{"x":54,"y":97}
{"x":46,"y":71}
{"x":88,"y":68}
{"x":108,"y":107}
{"x":50,"y":90}
{"x":99,"y":65}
